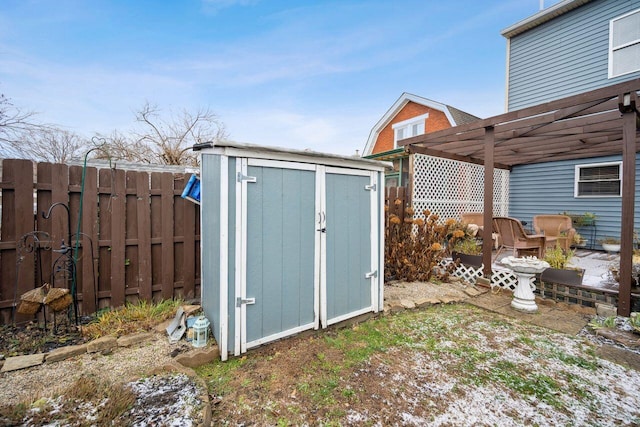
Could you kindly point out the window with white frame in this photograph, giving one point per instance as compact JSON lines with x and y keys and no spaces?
{"x":624,"y":44}
{"x":408,"y":128}
{"x":598,"y":179}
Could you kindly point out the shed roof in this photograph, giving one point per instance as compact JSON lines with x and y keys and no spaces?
{"x":241,"y":149}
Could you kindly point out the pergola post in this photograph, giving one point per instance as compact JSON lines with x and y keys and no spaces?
{"x":627,"y":104}
{"x":487,"y":221}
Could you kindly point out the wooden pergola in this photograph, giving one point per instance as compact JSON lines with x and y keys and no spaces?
{"x":601,"y":122}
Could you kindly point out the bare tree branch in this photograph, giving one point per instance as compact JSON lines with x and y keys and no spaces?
{"x":24,"y":137}
{"x":166,"y":140}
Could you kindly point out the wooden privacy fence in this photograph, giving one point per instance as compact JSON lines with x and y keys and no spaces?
{"x":139,"y":239}
{"x":395,"y":200}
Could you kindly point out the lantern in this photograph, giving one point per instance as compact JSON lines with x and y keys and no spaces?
{"x":200,"y":332}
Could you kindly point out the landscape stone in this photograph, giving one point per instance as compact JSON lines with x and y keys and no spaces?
{"x":472,"y":292}
{"x":162,"y":327}
{"x":407,"y":304}
{"x":426,"y":302}
{"x":64,"y":353}
{"x":129,"y":340}
{"x":21,"y":362}
{"x":395,"y":306}
{"x":102,"y":344}
{"x":626,"y":338}
{"x":606,"y":310}
{"x":484,"y":282}
{"x":583,"y":309}
{"x":199,"y":357}
{"x":190,"y":309}
{"x":449,"y":300}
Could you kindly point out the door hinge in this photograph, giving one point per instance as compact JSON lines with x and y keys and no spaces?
{"x":371,"y":274}
{"x":240,"y":301}
{"x":241,"y":177}
{"x":371,"y":187}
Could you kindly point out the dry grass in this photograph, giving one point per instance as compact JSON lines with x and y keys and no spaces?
{"x":131,"y":318}
{"x":109,"y":400}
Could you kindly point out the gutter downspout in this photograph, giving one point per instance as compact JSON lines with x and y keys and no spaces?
{"x":508,"y":64}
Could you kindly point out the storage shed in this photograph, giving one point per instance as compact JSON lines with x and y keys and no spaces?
{"x":291,"y":241}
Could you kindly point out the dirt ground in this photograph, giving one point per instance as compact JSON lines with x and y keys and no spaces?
{"x":463,"y":370}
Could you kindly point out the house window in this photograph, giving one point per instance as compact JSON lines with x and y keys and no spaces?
{"x":624,"y":44}
{"x":408,"y":128}
{"x":602,"y":179}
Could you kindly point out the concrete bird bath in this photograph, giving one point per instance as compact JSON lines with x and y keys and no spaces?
{"x":525,"y":269}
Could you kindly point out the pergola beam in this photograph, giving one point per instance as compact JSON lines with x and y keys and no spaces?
{"x":628,"y":105}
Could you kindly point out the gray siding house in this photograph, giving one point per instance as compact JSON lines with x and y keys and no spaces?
{"x":567,"y":49}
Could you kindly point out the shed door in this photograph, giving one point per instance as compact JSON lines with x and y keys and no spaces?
{"x":349,"y":265}
{"x":280,"y":291}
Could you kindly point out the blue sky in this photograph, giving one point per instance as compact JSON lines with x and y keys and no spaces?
{"x":302,"y":74}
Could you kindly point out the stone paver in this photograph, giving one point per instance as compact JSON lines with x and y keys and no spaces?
{"x":102,"y":344}
{"x":129,"y":340}
{"x":406,"y":303}
{"x":199,"y":357}
{"x":22,"y":362}
{"x":558,"y":317}
{"x":67,"y":352}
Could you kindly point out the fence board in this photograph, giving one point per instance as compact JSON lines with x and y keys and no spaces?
{"x":88,"y":257}
{"x":395,"y":201}
{"x":118,"y":239}
{"x":144,"y":235}
{"x":44,"y":201}
{"x":166,"y":183}
{"x":189,"y":244}
{"x":17,"y":220}
{"x":104,"y":252}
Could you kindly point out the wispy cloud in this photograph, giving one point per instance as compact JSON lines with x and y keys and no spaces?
{"x":214,"y":6}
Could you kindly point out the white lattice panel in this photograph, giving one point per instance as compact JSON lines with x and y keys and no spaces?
{"x":450,"y":187}
{"x":466,"y":273}
{"x":503,"y":278}
{"x":500,"y":277}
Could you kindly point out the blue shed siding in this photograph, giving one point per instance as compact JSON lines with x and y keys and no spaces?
{"x":210,"y":242}
{"x":231,"y":244}
{"x":548,"y":188}
{"x":565,"y":56}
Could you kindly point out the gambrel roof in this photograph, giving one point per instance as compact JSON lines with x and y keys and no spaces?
{"x":455,"y":116}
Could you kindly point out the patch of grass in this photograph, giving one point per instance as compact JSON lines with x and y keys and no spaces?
{"x":568,"y":359}
{"x":218,"y":375}
{"x":13,"y":415}
{"x":363,"y":340}
{"x":131,"y":318}
{"x":514,"y":377}
{"x":600,"y":323}
{"x":527,"y":340}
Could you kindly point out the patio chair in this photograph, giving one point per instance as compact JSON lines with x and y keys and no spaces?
{"x":557,"y":230}
{"x":513,"y":236}
{"x":477,"y":218}
{"x":472,"y":218}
